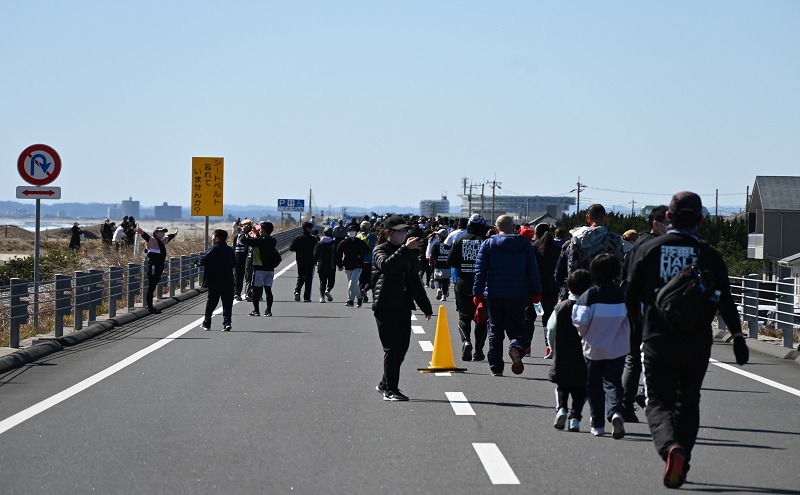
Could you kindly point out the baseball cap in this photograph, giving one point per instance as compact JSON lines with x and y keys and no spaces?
{"x":476,"y":219}
{"x":160,"y":229}
{"x":366,"y":225}
{"x":526,"y":232}
{"x":396,"y":222}
{"x":246,"y":221}
{"x":686,"y":203}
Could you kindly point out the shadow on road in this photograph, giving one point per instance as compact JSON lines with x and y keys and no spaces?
{"x":694,"y":486}
{"x":750,"y":430}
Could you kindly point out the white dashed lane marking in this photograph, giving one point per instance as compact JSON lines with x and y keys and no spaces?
{"x":495,"y":464}
{"x":417,"y":329}
{"x":426,"y":345}
{"x":460,"y":404}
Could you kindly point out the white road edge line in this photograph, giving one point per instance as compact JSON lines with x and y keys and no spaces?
{"x":765,"y":381}
{"x":417,"y":329}
{"x":460,"y":404}
{"x":495,"y":464}
{"x":79,"y":387}
{"x":426,"y":345}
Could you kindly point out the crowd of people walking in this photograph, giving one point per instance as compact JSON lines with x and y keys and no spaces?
{"x":598,"y":297}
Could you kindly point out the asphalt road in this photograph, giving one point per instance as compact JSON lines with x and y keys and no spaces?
{"x":288,"y":405}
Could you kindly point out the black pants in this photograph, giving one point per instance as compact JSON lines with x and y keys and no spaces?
{"x":241,"y":261}
{"x":425,"y":271}
{"x":327,"y":279}
{"x":154,"y":272}
{"x":214,"y":295}
{"x":394,"y":329}
{"x":256,"y":298}
{"x":365,"y":278}
{"x":633,"y":368}
{"x":673,"y":374}
{"x":578,"y":399}
{"x":305,"y":275}
{"x":548,"y":305}
{"x":466,"y":312}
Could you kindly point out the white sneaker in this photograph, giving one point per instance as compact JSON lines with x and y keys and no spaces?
{"x":598,"y":432}
{"x":617,"y":426}
{"x":322,"y":299}
{"x":444,"y":298}
{"x":438,"y":294}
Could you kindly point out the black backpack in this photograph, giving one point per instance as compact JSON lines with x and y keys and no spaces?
{"x":690,"y":299}
{"x":274,"y":258}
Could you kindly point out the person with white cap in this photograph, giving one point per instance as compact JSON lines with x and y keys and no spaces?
{"x":156,"y":255}
{"x":441,"y":270}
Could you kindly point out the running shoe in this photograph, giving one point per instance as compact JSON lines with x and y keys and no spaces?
{"x":478,"y":356}
{"x":548,"y":353}
{"x":328,"y":296}
{"x":561,"y":419}
{"x":674,"y":475}
{"x":227,"y":327}
{"x":466,"y":351}
{"x":205,"y":326}
{"x":267,"y":313}
{"x":254,"y":313}
{"x":574,"y":425}
{"x":322,"y":299}
{"x":394,"y":395}
{"x":297,"y":296}
{"x":598,"y":432}
{"x":349,"y":304}
{"x":438,"y":294}
{"x":516,"y":361}
{"x":358,"y":303}
{"x":527,"y":352}
{"x":617,"y":426}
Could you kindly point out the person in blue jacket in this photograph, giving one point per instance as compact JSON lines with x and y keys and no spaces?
{"x":506,"y":275}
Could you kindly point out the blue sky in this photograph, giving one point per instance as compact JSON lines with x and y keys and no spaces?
{"x":376,"y":102}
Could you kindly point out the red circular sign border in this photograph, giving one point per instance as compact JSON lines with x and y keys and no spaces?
{"x":28,"y":152}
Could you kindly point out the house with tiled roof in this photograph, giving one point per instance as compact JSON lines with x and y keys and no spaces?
{"x":774,"y":223}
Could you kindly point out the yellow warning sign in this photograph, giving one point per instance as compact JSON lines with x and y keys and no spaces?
{"x":207,"y":180}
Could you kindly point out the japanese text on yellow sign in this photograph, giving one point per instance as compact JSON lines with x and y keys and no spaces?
{"x":207,"y":174}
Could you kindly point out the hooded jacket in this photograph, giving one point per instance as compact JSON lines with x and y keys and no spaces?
{"x":506,"y":268}
{"x":350,"y":253}
{"x":325,"y":254}
{"x":395,"y":280}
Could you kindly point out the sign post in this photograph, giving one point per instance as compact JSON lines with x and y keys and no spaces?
{"x":207,"y":188}
{"x":290,"y":205}
{"x":38,"y":165}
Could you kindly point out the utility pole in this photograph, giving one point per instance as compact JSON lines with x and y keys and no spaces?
{"x":464,"y":183}
{"x":580,"y":187}
{"x":632,"y":203}
{"x":483,"y":210}
{"x":495,"y":185}
{"x":716,"y":205}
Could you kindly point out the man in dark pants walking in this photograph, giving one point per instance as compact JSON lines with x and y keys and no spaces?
{"x":303,"y":247}
{"x":506,"y":275}
{"x":633,"y":362}
{"x":462,"y":257}
{"x":219,"y":263}
{"x":676,"y":358}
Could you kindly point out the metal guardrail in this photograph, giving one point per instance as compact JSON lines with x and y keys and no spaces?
{"x":79,"y":298}
{"x":767,"y":306}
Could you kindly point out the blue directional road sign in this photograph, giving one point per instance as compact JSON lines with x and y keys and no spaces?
{"x":291,"y":204}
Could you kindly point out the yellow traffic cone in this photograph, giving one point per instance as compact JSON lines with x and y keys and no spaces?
{"x":442,"y":349}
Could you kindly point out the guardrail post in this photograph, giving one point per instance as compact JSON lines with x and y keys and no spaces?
{"x":750,"y":304}
{"x":134,"y":284}
{"x":195,"y":270}
{"x":19,"y":309}
{"x":785,"y":310}
{"x":115,"y":274}
{"x":63,"y":301}
{"x":160,"y":285}
{"x":95,"y":292}
{"x":81,"y":295}
{"x":174,"y":267}
{"x":185,"y":271}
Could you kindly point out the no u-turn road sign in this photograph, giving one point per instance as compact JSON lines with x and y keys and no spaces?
{"x":39,"y":164}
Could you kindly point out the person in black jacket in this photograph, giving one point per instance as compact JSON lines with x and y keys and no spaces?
{"x":547,"y":253}
{"x":325,"y":260}
{"x":219,"y":263}
{"x":568,"y":370}
{"x":154,"y":262}
{"x":303,"y":247}
{"x":350,"y":255}
{"x":261,"y":247}
{"x":462,"y":257}
{"x":395,"y":287}
{"x":241,"y":251}
{"x":75,"y":238}
{"x":675,"y":359}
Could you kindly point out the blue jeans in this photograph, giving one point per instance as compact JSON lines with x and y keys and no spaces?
{"x":353,"y":292}
{"x":604,"y":389}
{"x":505,"y":318}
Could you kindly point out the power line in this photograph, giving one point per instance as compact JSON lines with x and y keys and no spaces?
{"x":658,"y":194}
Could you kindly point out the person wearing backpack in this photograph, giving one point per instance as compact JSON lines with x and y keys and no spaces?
{"x":675,"y":354}
{"x":588,"y":242}
{"x":264,"y":263}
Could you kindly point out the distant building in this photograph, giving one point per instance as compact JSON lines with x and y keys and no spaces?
{"x":167,"y":212}
{"x":522,"y":208}
{"x":128,"y":208}
{"x":431,"y":207}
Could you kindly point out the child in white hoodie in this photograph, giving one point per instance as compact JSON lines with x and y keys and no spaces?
{"x":601,"y":319}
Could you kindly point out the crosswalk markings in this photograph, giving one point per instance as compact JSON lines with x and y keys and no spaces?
{"x":460,"y":404}
{"x":495,"y":464}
